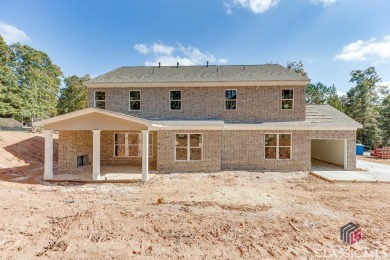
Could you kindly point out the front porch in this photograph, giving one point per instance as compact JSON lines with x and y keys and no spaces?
{"x":107,"y":174}
{"x":88,"y":150}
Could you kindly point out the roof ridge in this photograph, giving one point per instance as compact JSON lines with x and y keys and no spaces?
{"x":199,"y":73}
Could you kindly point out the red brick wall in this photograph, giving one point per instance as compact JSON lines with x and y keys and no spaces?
{"x":254,"y":104}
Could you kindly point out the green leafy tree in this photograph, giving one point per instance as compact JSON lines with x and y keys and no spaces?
{"x":362,"y":104}
{"x":321,"y":94}
{"x":317,"y":93}
{"x":335,"y":100}
{"x":74,"y":95}
{"x":10,"y":100}
{"x":297,"y":67}
{"x":38,"y":79}
{"x":385,"y":119}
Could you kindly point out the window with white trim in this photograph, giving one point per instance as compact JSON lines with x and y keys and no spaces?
{"x":130,"y":145}
{"x":175,"y":100}
{"x":135,"y":100}
{"x":100,"y":99}
{"x":278,"y":146}
{"x":189,"y":147}
{"x":231,"y":99}
{"x":287,"y":99}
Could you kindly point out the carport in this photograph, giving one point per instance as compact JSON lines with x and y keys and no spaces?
{"x":331,"y":153}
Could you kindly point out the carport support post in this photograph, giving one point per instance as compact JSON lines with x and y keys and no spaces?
{"x":145,"y":155}
{"x":48,"y":172}
{"x":96,"y":155}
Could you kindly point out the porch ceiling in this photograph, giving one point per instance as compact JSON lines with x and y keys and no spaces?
{"x":94,"y":119}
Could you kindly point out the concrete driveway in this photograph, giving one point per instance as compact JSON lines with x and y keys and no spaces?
{"x":370,"y":171}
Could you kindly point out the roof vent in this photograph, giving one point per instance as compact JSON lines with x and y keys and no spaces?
{"x":177,"y":65}
{"x":159,"y":64}
{"x":207,"y":64}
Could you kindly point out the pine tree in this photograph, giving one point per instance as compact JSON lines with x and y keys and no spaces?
{"x":362,"y":102}
{"x":385,"y":119}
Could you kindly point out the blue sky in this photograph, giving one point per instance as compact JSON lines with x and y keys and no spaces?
{"x":331,"y":37}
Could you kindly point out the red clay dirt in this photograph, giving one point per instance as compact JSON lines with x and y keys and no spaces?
{"x":22,"y":155}
{"x":227,"y":215}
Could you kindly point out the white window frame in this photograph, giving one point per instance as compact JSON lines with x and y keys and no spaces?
{"x":277,"y":146}
{"x":292,"y":99}
{"x":139,"y":100}
{"x":94,"y":98}
{"x":188,"y":147}
{"x":170,"y":100}
{"x":225,"y":99}
{"x":139,"y":145}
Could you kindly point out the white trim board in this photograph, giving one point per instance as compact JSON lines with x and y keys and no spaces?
{"x":247,"y":127}
{"x":280,"y":83}
{"x":91,"y":110}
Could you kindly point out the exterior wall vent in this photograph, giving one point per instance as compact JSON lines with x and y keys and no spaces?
{"x":82,"y":160}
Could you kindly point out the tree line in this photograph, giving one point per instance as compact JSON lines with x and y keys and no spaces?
{"x":366,"y":102}
{"x":30,"y":90}
{"x":30,"y":85}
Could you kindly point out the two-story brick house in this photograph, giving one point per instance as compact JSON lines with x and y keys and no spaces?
{"x":200,"y":119}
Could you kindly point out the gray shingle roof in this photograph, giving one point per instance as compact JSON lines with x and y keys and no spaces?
{"x":223,"y":73}
{"x":331,"y":116}
{"x":321,"y":116}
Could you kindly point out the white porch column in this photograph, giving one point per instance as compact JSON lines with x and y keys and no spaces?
{"x":145,"y":155}
{"x":48,"y":172}
{"x":96,"y":155}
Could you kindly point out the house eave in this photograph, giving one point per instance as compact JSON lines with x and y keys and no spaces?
{"x":258,"y":127}
{"x":197,"y":84}
{"x":91,"y":110}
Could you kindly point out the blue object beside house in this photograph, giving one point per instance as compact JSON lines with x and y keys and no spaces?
{"x":359,"y":149}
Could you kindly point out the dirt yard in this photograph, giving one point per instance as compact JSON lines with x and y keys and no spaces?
{"x":228,"y":215}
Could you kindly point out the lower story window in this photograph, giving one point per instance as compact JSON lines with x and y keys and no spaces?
{"x":278,"y":146}
{"x":130,"y":145}
{"x":189,"y":147}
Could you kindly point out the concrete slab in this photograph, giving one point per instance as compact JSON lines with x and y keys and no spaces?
{"x":108,"y":174}
{"x":370,"y":172}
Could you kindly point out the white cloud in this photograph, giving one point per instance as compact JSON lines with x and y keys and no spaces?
{"x":169,"y":55}
{"x":11,"y":34}
{"x":363,"y":50}
{"x":222,"y":61}
{"x":384,"y":83}
{"x":325,"y":3}
{"x":141,"y":48}
{"x":163,"y":49}
{"x":255,"y":6}
{"x":340,"y":93}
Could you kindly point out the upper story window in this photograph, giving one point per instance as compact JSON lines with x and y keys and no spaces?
{"x":231,"y":99}
{"x":287,"y":99}
{"x":175,"y":100}
{"x":100,"y":99}
{"x":135,"y":100}
{"x":189,"y":147}
{"x":278,"y":146}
